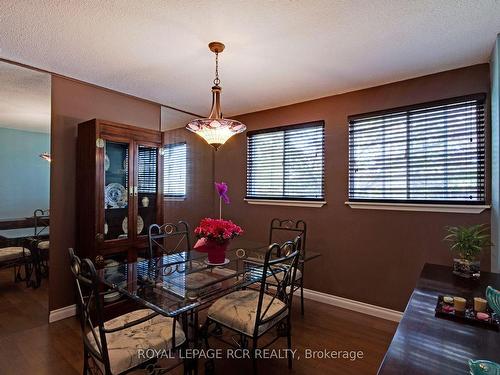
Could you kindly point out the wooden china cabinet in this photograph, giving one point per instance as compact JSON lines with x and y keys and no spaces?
{"x":118,"y":192}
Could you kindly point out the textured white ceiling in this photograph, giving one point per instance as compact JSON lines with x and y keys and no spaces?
{"x":24,"y":99}
{"x":172,"y":119}
{"x":278,"y":52}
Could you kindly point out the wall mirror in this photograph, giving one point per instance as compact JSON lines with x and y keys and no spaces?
{"x":24,"y":141}
{"x":188,"y":170}
{"x":25,"y":120}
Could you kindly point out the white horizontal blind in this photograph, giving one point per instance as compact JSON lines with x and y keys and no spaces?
{"x":174,"y":176}
{"x":286,"y":163}
{"x":431,"y":153}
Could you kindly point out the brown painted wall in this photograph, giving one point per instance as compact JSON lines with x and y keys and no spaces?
{"x":72,"y":103}
{"x":368,"y":255}
{"x":200,"y":196}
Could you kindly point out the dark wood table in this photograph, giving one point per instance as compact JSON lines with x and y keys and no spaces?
{"x":424,"y":344}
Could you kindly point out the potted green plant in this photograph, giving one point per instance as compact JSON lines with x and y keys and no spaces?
{"x":467,"y":244}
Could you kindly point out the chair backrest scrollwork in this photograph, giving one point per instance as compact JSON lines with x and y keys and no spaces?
{"x":42,"y":221}
{"x":169,"y":238}
{"x":286,"y":229}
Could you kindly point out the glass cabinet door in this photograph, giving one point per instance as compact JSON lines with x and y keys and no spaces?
{"x":147,"y":188}
{"x":116,"y":190}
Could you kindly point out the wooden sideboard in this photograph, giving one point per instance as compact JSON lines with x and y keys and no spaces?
{"x":424,"y":344}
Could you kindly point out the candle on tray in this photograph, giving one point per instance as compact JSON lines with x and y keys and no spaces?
{"x":479,"y":304}
{"x":459,"y":303}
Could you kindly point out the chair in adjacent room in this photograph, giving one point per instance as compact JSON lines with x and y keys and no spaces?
{"x":42,"y":223}
{"x":17,"y":257}
{"x":111,"y":347}
{"x":285,"y":229}
{"x":252,"y":312}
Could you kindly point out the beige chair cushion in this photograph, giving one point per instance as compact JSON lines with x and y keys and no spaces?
{"x":11,"y":253}
{"x":238,"y":311}
{"x":279,"y":275}
{"x":123,"y":345}
{"x":43,"y":245}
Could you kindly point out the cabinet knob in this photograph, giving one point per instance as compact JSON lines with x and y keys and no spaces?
{"x":99,"y":237}
{"x":99,"y":259}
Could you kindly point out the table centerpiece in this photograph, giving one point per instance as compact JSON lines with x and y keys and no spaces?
{"x":214,"y":235}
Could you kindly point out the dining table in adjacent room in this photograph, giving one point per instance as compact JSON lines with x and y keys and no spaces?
{"x":14,"y":236}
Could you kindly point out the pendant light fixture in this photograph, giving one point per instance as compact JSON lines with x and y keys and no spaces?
{"x":45,"y":156}
{"x":215,"y":129}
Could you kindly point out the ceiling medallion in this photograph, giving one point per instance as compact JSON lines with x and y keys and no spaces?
{"x":215,"y":129}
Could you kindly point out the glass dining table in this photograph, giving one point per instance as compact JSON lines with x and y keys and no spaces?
{"x":184,"y":281}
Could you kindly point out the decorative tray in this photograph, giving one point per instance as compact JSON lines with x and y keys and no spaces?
{"x":468,"y":316}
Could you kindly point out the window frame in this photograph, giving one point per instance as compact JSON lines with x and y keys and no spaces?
{"x":409,"y":204}
{"x":286,"y":200}
{"x":176,"y":197}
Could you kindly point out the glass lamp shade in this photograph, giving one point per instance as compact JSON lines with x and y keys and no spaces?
{"x":216,"y":131}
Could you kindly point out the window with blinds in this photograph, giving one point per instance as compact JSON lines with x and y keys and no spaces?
{"x":286,"y":163}
{"x":428,"y":153}
{"x":147,"y":169}
{"x":175,"y":167}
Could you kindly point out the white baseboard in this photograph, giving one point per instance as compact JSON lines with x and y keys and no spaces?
{"x":62,"y":313}
{"x":361,"y":307}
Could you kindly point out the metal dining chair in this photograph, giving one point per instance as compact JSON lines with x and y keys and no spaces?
{"x":112,"y":347}
{"x":17,"y":257}
{"x":168,"y":238}
{"x":286,"y":229}
{"x":42,"y":223}
{"x":252,"y":313}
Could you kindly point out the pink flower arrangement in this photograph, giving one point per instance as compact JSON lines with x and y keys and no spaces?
{"x":219,"y":230}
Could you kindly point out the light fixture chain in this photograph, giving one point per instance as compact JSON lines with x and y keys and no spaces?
{"x":216,"y":80}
